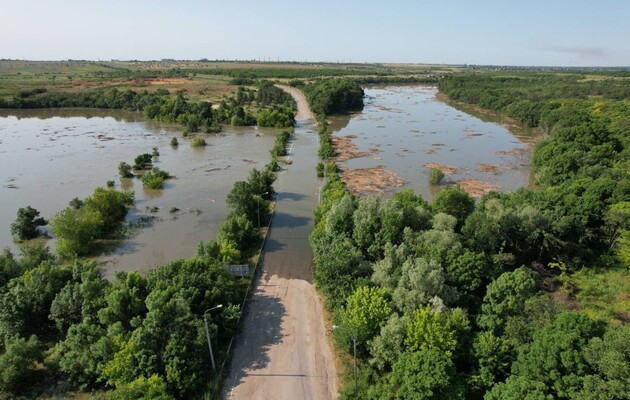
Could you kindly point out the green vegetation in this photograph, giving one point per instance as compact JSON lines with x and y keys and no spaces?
{"x":334,"y":96}
{"x":174,"y":142}
{"x":134,"y":336}
{"x":142,"y":161}
{"x":198,"y":141}
{"x":79,"y":226}
{"x":154,"y":179}
{"x":26,"y":223}
{"x":436,"y":176}
{"x":517,"y":295}
{"x":124,"y":170}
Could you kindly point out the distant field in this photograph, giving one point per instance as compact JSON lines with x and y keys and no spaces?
{"x":199,"y":79}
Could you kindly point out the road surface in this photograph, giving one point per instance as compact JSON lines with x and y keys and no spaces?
{"x":283,"y":351}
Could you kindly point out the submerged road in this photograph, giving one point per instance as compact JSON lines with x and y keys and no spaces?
{"x":283,"y":351}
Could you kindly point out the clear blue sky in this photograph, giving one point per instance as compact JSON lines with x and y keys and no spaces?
{"x":534,"y":32}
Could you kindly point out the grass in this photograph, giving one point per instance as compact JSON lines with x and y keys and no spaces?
{"x":604,"y":295}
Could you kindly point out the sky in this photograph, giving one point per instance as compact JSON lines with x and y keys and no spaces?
{"x":483,"y":32}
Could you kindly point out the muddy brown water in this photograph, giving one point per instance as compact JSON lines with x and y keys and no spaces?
{"x":48,"y":157}
{"x":403,"y":128}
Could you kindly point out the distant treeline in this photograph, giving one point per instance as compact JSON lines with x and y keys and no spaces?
{"x":526,"y":97}
{"x":277,"y":107}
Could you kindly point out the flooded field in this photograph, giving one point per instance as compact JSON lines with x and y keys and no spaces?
{"x":404,"y":131}
{"x":48,"y":157}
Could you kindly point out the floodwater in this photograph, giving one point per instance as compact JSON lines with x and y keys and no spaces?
{"x":48,"y":157}
{"x":404,"y":128}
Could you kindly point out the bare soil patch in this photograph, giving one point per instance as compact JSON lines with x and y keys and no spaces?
{"x":489,"y":168}
{"x":362,"y":181}
{"x":477,"y":188}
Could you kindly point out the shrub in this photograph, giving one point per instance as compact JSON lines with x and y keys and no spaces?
{"x":198,"y":141}
{"x":154,"y":179}
{"x":124,"y":170}
{"x":436,"y":176}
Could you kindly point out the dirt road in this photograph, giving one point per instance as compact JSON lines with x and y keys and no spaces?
{"x":304,"y":111}
{"x":283,"y":351}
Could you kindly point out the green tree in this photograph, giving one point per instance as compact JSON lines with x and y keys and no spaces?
{"x":439,"y":330}
{"x":555,"y":357}
{"x":494,"y":357}
{"x":454,"y":201}
{"x":609,"y":356}
{"x":26,"y":223}
{"x":421,"y":281}
{"x":124,"y":300}
{"x":387,"y":347}
{"x":519,"y":388}
{"x":425,"y":374}
{"x":506,"y":297}
{"x":365,"y":313}
{"x":76,"y":230}
{"x":25,"y":302}
{"x":240,"y":231}
{"x":81,"y":356}
{"x":81,"y":298}
{"x":18,"y":364}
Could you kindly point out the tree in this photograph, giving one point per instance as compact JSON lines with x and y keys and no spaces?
{"x":76,"y":230}
{"x":519,"y":388}
{"x":506,"y":297}
{"x":454,"y":201}
{"x":124,"y":300}
{"x":609,"y":356}
{"x":441,"y":330}
{"x":421,"y":280}
{"x":81,"y":356}
{"x":387,"y":347}
{"x":240,"y":231}
{"x":422,"y":375}
{"x":555,"y":357}
{"x":25,"y":302}
{"x":365,"y":313}
{"x":81,"y":298}
{"x":26,"y":223}
{"x":494,"y":357}
{"x":18,"y":363}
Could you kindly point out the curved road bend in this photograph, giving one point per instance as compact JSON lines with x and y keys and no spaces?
{"x":283,"y":350}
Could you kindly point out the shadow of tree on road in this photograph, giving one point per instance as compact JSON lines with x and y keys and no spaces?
{"x":262,"y":330}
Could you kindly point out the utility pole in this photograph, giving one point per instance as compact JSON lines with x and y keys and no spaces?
{"x":205,"y":322}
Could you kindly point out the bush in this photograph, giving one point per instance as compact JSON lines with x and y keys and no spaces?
{"x":143,"y":161}
{"x":320,"y":169}
{"x":174,"y":142}
{"x":154,"y":179}
{"x":198,"y":141}
{"x":436,"y":176}
{"x":124,"y":170}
